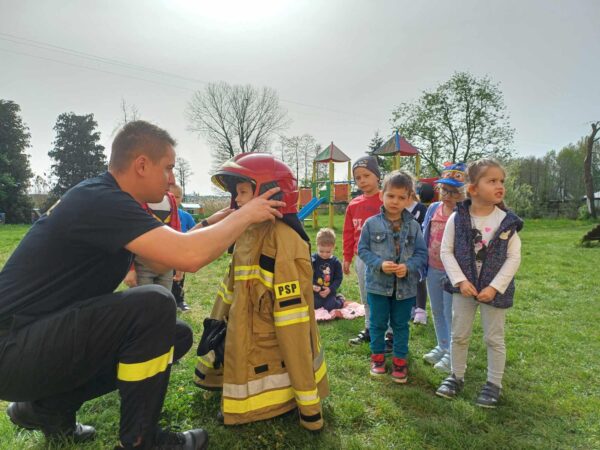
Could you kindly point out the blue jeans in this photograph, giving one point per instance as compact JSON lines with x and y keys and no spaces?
{"x":441,"y":307}
{"x":384,"y":310}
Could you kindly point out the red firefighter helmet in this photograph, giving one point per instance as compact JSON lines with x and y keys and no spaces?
{"x":264,"y":171}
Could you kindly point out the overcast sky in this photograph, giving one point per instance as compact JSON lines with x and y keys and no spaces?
{"x":340,"y":67}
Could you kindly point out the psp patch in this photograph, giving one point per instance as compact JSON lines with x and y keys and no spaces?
{"x":286,"y":290}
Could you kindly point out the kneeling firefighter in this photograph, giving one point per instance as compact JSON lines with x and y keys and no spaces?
{"x":272,"y":355}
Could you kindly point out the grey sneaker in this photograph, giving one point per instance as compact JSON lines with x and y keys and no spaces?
{"x":444,"y":365}
{"x":450,"y":387}
{"x":489,"y":396}
{"x":434,"y":355}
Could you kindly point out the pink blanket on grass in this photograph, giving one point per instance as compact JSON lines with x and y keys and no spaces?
{"x":351,"y":310}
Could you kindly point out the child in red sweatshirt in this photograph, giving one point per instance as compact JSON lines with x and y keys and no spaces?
{"x":366,"y":175}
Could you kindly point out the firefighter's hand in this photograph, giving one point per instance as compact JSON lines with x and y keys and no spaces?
{"x":467,"y":289}
{"x":260,"y":209}
{"x":346,"y":267}
{"x":401,"y":270}
{"x":325,"y":292}
{"x":487,"y":294}
{"x":389,"y":267}
{"x":178,"y":275}
{"x":131,"y":279}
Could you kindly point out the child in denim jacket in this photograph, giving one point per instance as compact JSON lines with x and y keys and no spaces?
{"x":392,"y":246}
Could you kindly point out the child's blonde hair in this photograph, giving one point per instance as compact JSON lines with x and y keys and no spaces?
{"x":477,"y":169}
{"x":326,"y":236}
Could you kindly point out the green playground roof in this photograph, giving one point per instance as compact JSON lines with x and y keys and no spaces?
{"x":332,"y":153}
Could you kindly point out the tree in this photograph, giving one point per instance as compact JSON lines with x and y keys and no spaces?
{"x":183,"y":171}
{"x":15,"y":171}
{"x":587,"y":168}
{"x":298,"y":152}
{"x":40,"y":185}
{"x":236,"y":119}
{"x":129,"y":113}
{"x":76,"y":151}
{"x":462,"y":120}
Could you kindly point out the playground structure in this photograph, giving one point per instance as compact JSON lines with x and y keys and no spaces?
{"x":325,"y":190}
{"x":334,"y":192}
{"x":398,"y":146}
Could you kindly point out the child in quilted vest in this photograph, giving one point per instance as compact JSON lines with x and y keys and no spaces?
{"x":481,"y":252}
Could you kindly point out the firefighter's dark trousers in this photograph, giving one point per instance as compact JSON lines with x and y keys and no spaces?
{"x":125,"y":341}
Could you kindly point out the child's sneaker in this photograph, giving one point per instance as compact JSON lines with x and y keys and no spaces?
{"x":444,"y":364}
{"x":184,"y":307}
{"x":378,"y":365}
{"x":434,"y":355}
{"x":363,"y":336}
{"x":489,"y":396}
{"x":399,"y":370}
{"x":420,"y":316}
{"x":450,"y":387}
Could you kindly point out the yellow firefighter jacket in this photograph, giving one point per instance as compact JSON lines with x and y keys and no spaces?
{"x":273,"y":355}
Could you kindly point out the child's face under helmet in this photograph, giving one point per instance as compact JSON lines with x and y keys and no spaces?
{"x":264,"y":171}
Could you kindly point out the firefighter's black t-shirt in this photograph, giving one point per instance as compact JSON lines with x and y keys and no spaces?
{"x":74,"y":252}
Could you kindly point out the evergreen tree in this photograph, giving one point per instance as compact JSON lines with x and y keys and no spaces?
{"x":76,"y":151}
{"x":14,"y":164}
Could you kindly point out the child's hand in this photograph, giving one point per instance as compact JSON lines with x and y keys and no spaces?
{"x":401,"y":270}
{"x":467,"y":289}
{"x":487,"y":294}
{"x":324,"y":292}
{"x":178,"y":275}
{"x":346,"y":268}
{"x":389,"y":267}
{"x":131,"y":279}
{"x":316,"y":288}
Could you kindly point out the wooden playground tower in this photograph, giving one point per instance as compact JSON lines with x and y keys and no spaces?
{"x":398,"y":146}
{"x":334,"y":192}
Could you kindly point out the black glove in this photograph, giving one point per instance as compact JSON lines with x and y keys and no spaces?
{"x":213,"y":338}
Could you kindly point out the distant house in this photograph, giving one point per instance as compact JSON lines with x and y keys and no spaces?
{"x":596,"y":200}
{"x":193,"y":208}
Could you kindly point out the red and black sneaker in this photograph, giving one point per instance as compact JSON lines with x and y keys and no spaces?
{"x":399,"y":370}
{"x":378,"y":365}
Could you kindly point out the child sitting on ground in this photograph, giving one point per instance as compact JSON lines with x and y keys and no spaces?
{"x":392,"y":247}
{"x":327,"y":272}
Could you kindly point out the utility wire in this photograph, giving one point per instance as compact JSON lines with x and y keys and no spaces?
{"x":70,"y":52}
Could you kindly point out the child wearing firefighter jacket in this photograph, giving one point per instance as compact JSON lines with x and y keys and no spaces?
{"x":273,"y":358}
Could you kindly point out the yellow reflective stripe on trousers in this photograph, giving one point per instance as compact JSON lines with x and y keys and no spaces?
{"x":254,"y":387}
{"x":264,"y":400}
{"x":147,"y":369}
{"x":255,"y":272}
{"x":291,"y":316}
{"x":205,"y":362}
{"x":225,"y":294}
{"x":320,"y":373}
{"x":307,"y":398}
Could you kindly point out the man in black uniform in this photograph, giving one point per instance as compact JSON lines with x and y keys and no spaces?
{"x":66,"y":337}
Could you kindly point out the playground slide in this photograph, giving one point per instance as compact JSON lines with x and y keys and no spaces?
{"x":310,"y":207}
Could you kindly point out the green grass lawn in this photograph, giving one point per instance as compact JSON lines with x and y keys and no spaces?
{"x":551,"y":395}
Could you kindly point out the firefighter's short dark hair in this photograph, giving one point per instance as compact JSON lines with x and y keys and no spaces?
{"x":136,"y":138}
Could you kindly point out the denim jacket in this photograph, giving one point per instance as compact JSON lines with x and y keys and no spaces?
{"x":377,"y":245}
